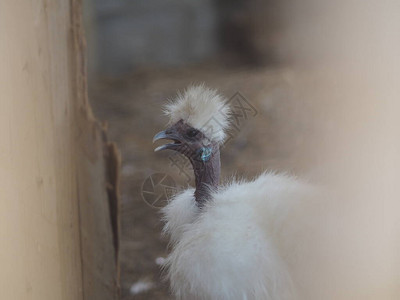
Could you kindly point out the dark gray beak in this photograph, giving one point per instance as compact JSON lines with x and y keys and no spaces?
{"x":168,"y":135}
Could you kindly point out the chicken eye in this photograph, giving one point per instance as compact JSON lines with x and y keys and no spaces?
{"x":192,"y":133}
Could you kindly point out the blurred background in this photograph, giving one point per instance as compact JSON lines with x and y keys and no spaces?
{"x":321,"y":82}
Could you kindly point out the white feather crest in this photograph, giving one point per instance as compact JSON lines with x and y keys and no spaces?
{"x":202,"y":108}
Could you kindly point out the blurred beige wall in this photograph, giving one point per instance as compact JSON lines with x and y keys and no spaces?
{"x":347,"y":69}
{"x":55,"y":229}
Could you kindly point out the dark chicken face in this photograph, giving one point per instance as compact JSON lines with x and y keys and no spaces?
{"x":187,"y":140}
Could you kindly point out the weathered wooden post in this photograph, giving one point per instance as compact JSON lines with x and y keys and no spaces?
{"x":58,"y":172}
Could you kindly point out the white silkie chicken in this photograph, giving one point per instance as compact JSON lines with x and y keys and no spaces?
{"x":233,"y":241}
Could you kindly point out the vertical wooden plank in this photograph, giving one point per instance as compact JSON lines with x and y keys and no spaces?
{"x":39,"y":228}
{"x":53,"y":172}
{"x":98,"y":164}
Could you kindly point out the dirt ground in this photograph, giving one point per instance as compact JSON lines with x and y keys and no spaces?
{"x":132,"y":107}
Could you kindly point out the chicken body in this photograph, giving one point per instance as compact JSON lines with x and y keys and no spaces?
{"x":240,"y":245}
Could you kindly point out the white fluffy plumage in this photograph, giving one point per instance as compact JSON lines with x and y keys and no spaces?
{"x":202,"y":108}
{"x":235,"y":247}
{"x":240,"y":244}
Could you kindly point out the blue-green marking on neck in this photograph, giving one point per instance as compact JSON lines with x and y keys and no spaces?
{"x":206,"y":153}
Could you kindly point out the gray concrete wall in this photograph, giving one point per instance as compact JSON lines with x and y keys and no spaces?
{"x":156,"y":32}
